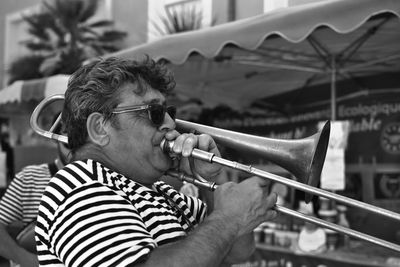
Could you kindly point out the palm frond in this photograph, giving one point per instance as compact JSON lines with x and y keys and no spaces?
{"x":102,"y":48}
{"x":38,"y":46}
{"x":101,"y":23}
{"x":88,"y":10}
{"x":38,"y":24}
{"x":181,"y":20}
{"x":159,"y":27}
{"x":112,"y":36}
{"x":85,"y":30}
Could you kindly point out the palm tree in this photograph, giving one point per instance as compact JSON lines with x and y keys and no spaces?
{"x":182,"y":19}
{"x":64,"y":35}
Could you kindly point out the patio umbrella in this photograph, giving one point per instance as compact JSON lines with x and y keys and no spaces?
{"x":238,"y":63}
{"x":22,"y":96}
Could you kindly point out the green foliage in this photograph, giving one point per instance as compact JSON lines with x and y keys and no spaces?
{"x":65,"y":35}
{"x":25,"y":68}
{"x":183,"y":19}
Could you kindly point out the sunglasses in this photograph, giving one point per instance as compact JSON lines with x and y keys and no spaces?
{"x":156,"y":112}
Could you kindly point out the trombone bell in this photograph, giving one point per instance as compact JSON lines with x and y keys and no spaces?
{"x":304,"y":158}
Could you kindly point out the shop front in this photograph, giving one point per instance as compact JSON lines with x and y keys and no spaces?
{"x":371,"y":175}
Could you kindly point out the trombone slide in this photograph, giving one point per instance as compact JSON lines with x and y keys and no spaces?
{"x":308,"y":218}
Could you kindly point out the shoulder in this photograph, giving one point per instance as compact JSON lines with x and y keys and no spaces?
{"x":74,"y":174}
{"x":33,"y":172}
{"x":87,"y":171}
{"x":82,"y":172}
{"x":39,"y":168}
{"x":76,"y":181}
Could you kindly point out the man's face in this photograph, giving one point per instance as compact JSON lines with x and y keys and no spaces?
{"x":135,"y":140}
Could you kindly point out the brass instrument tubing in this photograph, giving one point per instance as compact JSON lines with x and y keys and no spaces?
{"x":299,"y":215}
{"x":202,"y":155}
{"x":338,"y":228}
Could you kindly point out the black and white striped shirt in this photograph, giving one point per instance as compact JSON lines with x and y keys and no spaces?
{"x":22,"y":197}
{"x":93,"y":216}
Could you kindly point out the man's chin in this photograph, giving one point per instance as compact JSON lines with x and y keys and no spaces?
{"x":166,"y":164}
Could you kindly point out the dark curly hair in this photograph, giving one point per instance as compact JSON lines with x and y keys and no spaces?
{"x":94,"y":88}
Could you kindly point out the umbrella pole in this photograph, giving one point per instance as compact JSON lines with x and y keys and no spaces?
{"x":333,"y":89}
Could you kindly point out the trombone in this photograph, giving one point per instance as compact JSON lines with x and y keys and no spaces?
{"x":304,"y":158}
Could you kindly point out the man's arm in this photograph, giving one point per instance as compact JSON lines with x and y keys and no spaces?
{"x":212,"y":245}
{"x":244,"y":246}
{"x":206,"y":246}
{"x":241,"y":250}
{"x":9,"y":249}
{"x":237,"y":211}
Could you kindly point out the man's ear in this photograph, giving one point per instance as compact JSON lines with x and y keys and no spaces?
{"x":97,"y":130}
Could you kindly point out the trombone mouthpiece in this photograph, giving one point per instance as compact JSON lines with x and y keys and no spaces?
{"x":166,"y":145}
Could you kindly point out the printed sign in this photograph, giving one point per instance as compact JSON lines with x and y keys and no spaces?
{"x":387,"y":186}
{"x":374,"y":133}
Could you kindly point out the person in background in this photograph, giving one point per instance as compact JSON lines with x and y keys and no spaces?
{"x":109,"y":207}
{"x":8,"y":152}
{"x":19,"y":208}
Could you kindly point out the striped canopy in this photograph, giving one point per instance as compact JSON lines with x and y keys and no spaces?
{"x":36,"y":89}
{"x":21,"y":97}
{"x":238,"y":63}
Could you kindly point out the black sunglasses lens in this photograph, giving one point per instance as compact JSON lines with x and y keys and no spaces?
{"x":171,"y":110}
{"x":157,"y":113}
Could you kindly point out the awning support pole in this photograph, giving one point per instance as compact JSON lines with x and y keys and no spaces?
{"x":333,"y":88}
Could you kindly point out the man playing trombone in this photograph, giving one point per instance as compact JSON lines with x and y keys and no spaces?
{"x":109,"y":207}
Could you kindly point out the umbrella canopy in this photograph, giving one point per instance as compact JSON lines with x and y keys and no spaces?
{"x":36,"y":89}
{"x":22,"y":96}
{"x":238,"y":63}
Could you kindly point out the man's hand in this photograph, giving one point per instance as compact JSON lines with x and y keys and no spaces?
{"x":245,"y":205}
{"x":184,"y":145}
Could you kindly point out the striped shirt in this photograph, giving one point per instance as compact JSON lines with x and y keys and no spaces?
{"x":93,"y":216}
{"x":22,"y":198}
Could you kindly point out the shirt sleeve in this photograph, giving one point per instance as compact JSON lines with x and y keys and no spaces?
{"x":11,"y":203}
{"x":96,"y":226}
{"x":197,"y":207}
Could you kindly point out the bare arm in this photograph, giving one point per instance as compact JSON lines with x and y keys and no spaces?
{"x":206,"y":246}
{"x":9,"y":249}
{"x":243,"y":246}
{"x":225,"y":232}
{"x":241,"y":250}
